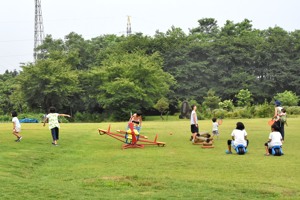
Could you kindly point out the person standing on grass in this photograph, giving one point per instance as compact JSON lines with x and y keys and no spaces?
{"x":16,"y":126}
{"x":275,"y":139}
{"x":52,"y":118}
{"x":215,"y":127}
{"x":194,"y":123}
{"x":277,"y":112}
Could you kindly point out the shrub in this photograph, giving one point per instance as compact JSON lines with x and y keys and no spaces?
{"x":219,"y":113}
{"x":264,"y":110}
{"x":293,"y":110}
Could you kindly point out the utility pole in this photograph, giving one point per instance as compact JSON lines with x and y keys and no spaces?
{"x":38,"y":29}
{"x":128,"y":26}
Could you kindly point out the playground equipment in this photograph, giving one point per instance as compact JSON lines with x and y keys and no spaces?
{"x":131,"y":138}
{"x":204,"y":139}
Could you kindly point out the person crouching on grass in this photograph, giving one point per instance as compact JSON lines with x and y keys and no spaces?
{"x":52,"y":119}
{"x":275,"y":139}
{"x":16,"y":126}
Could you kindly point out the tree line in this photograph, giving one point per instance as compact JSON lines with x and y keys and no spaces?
{"x":114,"y":75}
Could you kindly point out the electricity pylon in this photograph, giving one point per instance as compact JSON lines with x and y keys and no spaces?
{"x":38,"y":28}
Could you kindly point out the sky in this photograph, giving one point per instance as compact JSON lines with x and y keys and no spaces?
{"x":92,"y":18}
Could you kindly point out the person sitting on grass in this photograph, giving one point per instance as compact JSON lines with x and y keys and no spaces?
{"x":239,"y":137}
{"x":275,"y":139}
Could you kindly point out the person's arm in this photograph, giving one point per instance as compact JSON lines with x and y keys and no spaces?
{"x":141,"y":120}
{"x":275,"y":113}
{"x":195,"y":119}
{"x":14,"y":125}
{"x":64,"y":115}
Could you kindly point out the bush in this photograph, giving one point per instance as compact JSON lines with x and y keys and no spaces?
{"x":293,"y":110}
{"x":243,"y":112}
{"x":87,"y":117}
{"x":219,"y":113}
{"x":5,"y":118}
{"x":264,"y":110}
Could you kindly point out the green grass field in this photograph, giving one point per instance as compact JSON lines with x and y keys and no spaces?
{"x":86,"y":165}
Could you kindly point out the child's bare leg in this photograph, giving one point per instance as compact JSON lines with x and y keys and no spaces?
{"x":17,"y":134}
{"x":229,"y":148}
{"x":267,"y":150}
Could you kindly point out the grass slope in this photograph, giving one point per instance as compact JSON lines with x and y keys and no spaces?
{"x":86,"y":165}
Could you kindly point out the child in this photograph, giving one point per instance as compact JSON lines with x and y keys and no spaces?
{"x":52,"y":118}
{"x":281,"y":116}
{"x":239,"y":137}
{"x":215,"y":127}
{"x":136,"y":119}
{"x":16,"y":126}
{"x":275,"y":139}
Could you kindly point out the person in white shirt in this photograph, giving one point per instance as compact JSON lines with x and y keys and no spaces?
{"x":52,"y":119}
{"x":239,"y":137}
{"x":16,"y":126}
{"x":275,"y":139}
{"x":277,"y":112}
{"x":215,"y":127}
{"x":194,"y":123}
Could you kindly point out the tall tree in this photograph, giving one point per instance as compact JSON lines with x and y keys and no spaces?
{"x":128,"y":82}
{"x":48,"y":83}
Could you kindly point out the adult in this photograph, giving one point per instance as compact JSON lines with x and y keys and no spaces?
{"x":194,"y":123}
{"x":279,"y":123}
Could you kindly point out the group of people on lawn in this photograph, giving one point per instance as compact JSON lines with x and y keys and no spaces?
{"x":52,"y":119}
{"x":239,"y":134}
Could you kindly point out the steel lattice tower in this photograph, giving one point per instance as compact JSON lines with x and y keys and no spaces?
{"x":128,"y":26}
{"x":38,"y":28}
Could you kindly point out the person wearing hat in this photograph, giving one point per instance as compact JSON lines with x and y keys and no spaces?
{"x":278,"y":110}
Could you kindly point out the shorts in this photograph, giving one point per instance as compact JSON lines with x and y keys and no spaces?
{"x":194,"y":128}
{"x":270,"y":145}
{"x":17,"y":130}
{"x":234,"y":145}
{"x":215,"y":132}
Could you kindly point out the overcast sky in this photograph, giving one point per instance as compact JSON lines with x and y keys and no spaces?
{"x":91,"y":18}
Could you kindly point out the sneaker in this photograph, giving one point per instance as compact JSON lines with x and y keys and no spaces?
{"x":228,"y":152}
{"x":191,"y":138}
{"x":19,"y":139}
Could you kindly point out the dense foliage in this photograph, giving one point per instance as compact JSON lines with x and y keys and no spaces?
{"x":115,"y":75}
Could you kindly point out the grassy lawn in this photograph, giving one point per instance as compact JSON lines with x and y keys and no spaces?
{"x":86,"y":165}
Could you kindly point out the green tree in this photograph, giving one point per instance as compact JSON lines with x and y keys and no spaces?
{"x":226,"y":105}
{"x":48,"y":83}
{"x":162,"y":106}
{"x":244,"y":97}
{"x":7,"y":88}
{"x":287,"y":98}
{"x":129,"y":82}
{"x":211,"y":100}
